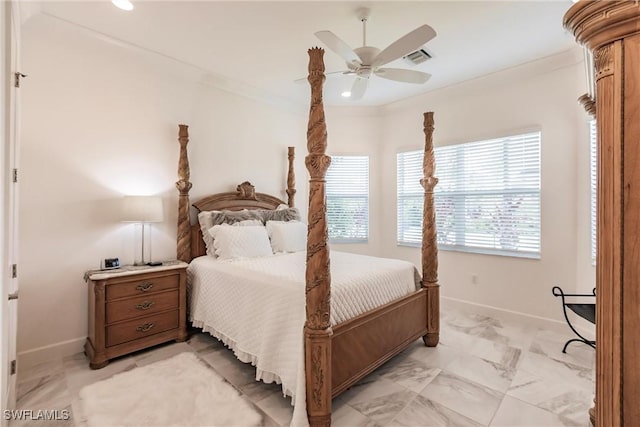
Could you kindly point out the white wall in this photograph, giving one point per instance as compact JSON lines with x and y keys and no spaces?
{"x":100,"y":121}
{"x":538,"y":95}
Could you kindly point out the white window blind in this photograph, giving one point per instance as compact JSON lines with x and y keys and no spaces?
{"x":410,"y":198}
{"x":487,"y":199}
{"x":348,"y":199}
{"x":594,"y":180}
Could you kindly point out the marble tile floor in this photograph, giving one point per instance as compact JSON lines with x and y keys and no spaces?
{"x":485,"y":372}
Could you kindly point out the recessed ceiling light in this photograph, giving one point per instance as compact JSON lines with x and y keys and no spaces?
{"x":346,"y":94}
{"x":123,"y":4}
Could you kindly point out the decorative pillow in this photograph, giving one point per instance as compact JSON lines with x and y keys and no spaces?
{"x":289,"y":236}
{"x":240,"y":242}
{"x":247,"y":223}
{"x":288,"y":214}
{"x":208,"y":219}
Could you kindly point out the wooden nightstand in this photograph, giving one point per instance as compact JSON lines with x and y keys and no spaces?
{"x":132,"y":308}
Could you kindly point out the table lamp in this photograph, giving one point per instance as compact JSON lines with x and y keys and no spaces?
{"x":142,"y":210}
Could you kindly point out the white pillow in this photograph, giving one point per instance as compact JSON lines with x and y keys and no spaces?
{"x":287,"y":236}
{"x":208,"y":219}
{"x":240,"y":242}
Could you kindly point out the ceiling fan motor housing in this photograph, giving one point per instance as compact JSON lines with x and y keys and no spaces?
{"x":367,"y":54}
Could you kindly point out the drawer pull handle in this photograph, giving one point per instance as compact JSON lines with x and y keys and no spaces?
{"x":145,"y":305}
{"x":144,"y":287}
{"x":145,"y":327}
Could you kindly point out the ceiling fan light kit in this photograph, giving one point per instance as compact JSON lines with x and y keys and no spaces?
{"x":365,"y":61}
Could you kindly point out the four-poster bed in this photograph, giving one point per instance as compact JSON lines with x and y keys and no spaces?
{"x":335,"y":356}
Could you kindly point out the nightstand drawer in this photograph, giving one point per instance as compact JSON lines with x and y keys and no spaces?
{"x":142,"y":287}
{"x":141,"y":306}
{"x":139,"y":328}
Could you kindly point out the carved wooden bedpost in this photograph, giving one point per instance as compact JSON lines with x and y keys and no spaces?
{"x":291,"y":177}
{"x":183,"y":185}
{"x":317,"y":329}
{"x":429,"y":238}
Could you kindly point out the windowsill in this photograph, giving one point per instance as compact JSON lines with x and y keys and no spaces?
{"x":478,"y":251}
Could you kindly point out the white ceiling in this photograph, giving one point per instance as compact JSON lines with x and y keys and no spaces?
{"x":261,"y":45}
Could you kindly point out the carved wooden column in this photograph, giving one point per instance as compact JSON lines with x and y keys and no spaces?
{"x":611,"y":29}
{"x":589,"y":105}
{"x":291,"y":177}
{"x":317,"y":329}
{"x":183,"y":185}
{"x":429,"y":237}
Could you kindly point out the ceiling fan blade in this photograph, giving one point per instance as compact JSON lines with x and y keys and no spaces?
{"x":338,"y":46}
{"x":401,"y":75}
{"x":359,"y":88}
{"x":404,"y":45}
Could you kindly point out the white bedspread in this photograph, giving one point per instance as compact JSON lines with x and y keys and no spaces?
{"x":256,"y":307}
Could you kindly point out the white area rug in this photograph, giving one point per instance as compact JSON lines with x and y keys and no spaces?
{"x":180,"y":391}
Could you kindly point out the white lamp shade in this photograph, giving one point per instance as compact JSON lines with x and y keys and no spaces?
{"x":142,"y":209}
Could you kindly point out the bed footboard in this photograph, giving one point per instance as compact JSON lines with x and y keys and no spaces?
{"x":360,"y":345}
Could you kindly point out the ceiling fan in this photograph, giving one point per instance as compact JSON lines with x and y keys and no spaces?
{"x":365,"y":61}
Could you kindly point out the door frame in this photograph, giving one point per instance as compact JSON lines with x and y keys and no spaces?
{"x":9,"y":135}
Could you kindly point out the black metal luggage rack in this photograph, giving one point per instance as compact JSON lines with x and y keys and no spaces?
{"x":575,"y":303}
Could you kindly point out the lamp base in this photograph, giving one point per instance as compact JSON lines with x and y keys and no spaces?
{"x":144,"y":255}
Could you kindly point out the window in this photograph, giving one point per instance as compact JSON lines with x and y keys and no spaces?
{"x":410,"y":198}
{"x":487,"y":199}
{"x":594,"y":180}
{"x":348,"y":199}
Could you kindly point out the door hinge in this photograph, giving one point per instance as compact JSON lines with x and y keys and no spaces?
{"x":14,"y":271}
{"x":18,"y":76}
{"x":15,"y":175}
{"x":12,"y":367}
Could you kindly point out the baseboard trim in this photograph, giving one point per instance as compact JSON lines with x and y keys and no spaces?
{"x":510,"y":315}
{"x":29,"y":358}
